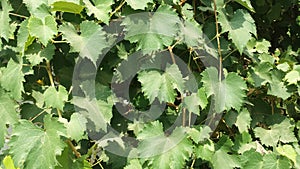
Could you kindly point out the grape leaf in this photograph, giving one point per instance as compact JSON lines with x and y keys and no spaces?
{"x":221,"y":160}
{"x":277,"y":87}
{"x":251,"y":160}
{"x":23,"y":37}
{"x":8,"y":114}
{"x":243,"y":120}
{"x":203,"y":97}
{"x":4,"y":20}
{"x":246,"y":4}
{"x":54,"y":98}
{"x":164,"y":151}
{"x":229,"y":93}
{"x":76,"y":127}
{"x":287,"y":151}
{"x":67,"y":7}
{"x":191,"y":33}
{"x":270,"y":161}
{"x":36,"y":53}
{"x":8,"y":163}
{"x":43,"y":29}
{"x":89,"y":43}
{"x":12,"y":79}
{"x":152,"y":33}
{"x":100,"y":8}
{"x":279,"y":132}
{"x":293,"y":76}
{"x":34,"y":147}
{"x":240,"y":27}
{"x":134,"y":164}
{"x":138,"y":4}
{"x":67,"y":161}
{"x":192,"y":103}
{"x":97,"y":104}
{"x":199,"y":135}
{"x":33,"y":5}
{"x":164,"y":84}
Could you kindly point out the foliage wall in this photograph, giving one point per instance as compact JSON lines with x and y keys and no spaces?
{"x":149,"y":84}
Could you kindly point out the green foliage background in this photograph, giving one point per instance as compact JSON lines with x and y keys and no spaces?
{"x":258,"y":42}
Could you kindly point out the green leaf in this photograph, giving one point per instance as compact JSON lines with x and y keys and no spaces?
{"x":34,"y":147}
{"x":262,"y":46}
{"x":270,"y":161}
{"x":192,"y":103}
{"x":221,"y":160}
{"x":5,"y":19}
{"x":43,"y":29}
{"x":243,"y":120}
{"x":68,"y":160}
{"x":54,"y":98}
{"x":205,"y":151}
{"x":240,"y":27}
{"x":164,"y":151}
{"x":287,"y":151}
{"x":33,"y":5}
{"x":12,"y":79}
{"x":164,"y":85}
{"x":138,"y":4}
{"x":154,"y":32}
{"x":76,"y":128}
{"x":199,"y":135}
{"x":134,"y":164}
{"x":100,"y":8}
{"x":246,"y":4}
{"x":89,"y":43}
{"x":36,"y":53}
{"x":266,"y":58}
{"x":191,"y":33}
{"x":23,"y":37}
{"x":283,"y":132}
{"x":203,"y":97}
{"x":67,"y":7}
{"x":8,"y":114}
{"x":277,"y":88}
{"x":97,"y":104}
{"x":229,"y":93}
{"x":293,"y":76}
{"x":251,"y":160}
{"x":9,"y":163}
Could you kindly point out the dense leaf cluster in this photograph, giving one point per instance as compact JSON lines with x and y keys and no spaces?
{"x":149,"y":84}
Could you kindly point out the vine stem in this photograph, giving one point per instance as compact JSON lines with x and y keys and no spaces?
{"x":49,"y":71}
{"x":218,"y":40}
{"x":117,"y":9}
{"x":77,"y":154}
{"x":18,"y":15}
